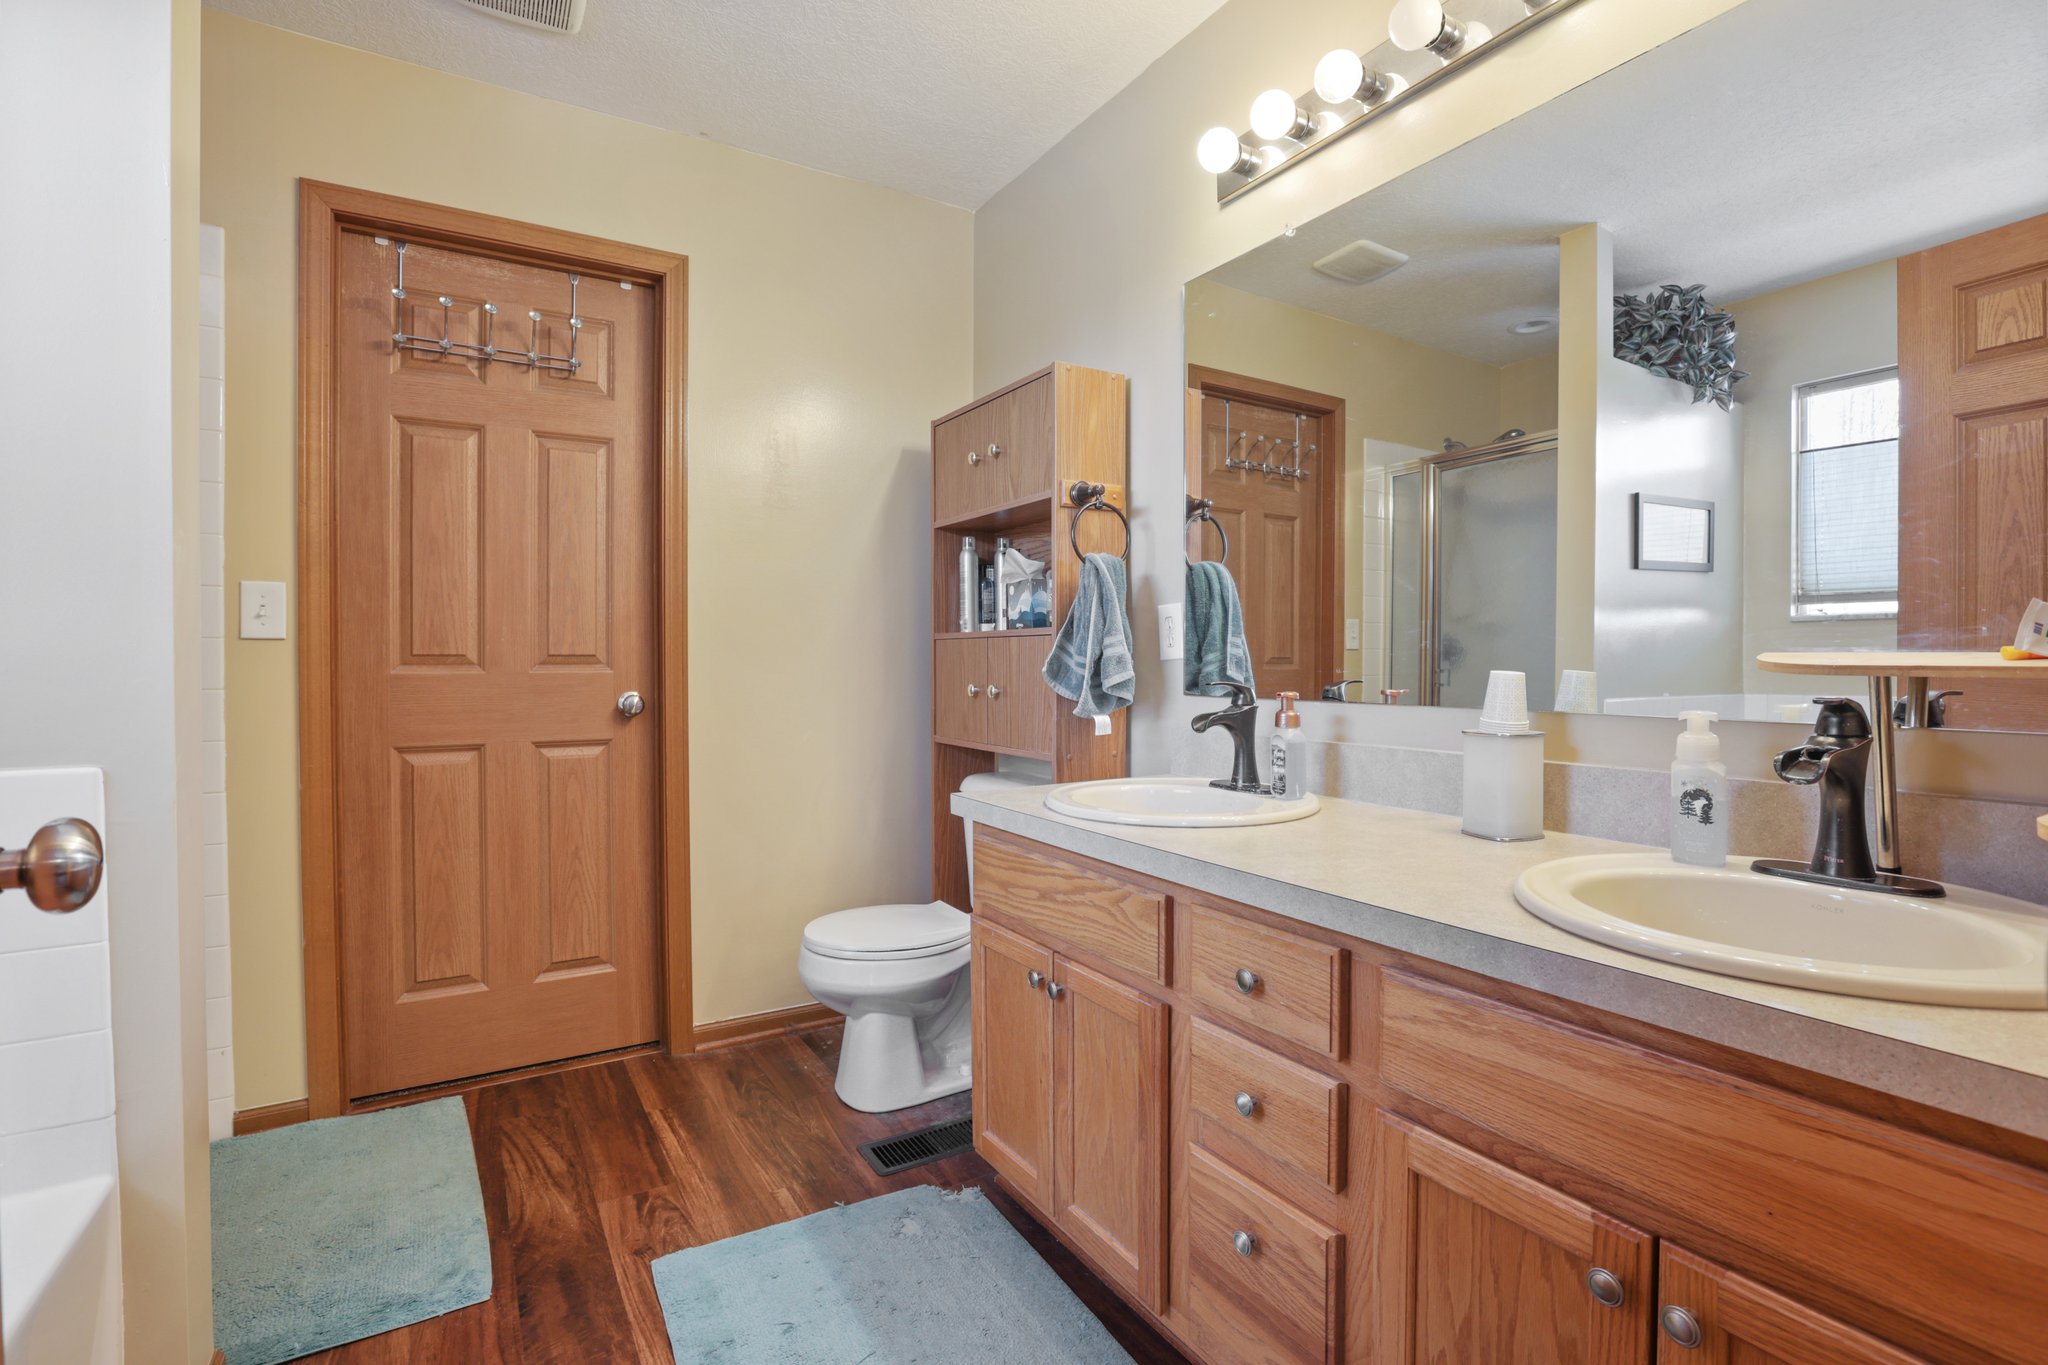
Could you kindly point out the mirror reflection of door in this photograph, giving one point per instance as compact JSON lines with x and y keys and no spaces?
{"x":1271,"y":464}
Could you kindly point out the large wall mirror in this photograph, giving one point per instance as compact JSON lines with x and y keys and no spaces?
{"x":1461,"y":424}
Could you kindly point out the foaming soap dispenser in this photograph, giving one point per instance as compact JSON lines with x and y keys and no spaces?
{"x":1699,"y":794}
{"x":1290,"y":764}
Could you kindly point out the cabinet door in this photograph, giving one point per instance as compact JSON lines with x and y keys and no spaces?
{"x":1013,"y":1059}
{"x":1478,"y":1262}
{"x":1109,"y":1112}
{"x":961,"y":472}
{"x":960,"y":704}
{"x":1018,"y":445}
{"x":1021,"y":703}
{"x":1709,"y":1315}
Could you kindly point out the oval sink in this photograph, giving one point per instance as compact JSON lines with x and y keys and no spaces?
{"x":1969,"y":948}
{"x":1173,"y":802}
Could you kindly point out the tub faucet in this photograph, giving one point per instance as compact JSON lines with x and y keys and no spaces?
{"x":1836,"y":756}
{"x":1241,"y":719}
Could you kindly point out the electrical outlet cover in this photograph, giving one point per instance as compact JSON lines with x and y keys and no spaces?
{"x":1170,"y":645}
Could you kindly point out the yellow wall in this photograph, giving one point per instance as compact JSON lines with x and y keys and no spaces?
{"x":829,"y":321}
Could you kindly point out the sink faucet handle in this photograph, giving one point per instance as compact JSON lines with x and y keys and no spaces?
{"x":1240,"y":694}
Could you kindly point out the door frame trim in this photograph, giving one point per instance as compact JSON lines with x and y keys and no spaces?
{"x":1329,"y":410}
{"x":325,"y":211}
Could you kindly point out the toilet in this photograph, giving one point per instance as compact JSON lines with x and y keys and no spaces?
{"x":899,"y":975}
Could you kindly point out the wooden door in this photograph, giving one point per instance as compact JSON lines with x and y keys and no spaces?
{"x":1018,"y":442}
{"x":1973,"y":456}
{"x":1109,"y":1114}
{"x":1739,"y":1322}
{"x":960,"y":705}
{"x":1479,"y":1263}
{"x":495,"y":553}
{"x":1284,"y":551}
{"x":1013,"y":1059}
{"x":1020,"y":701}
{"x":961,"y":477}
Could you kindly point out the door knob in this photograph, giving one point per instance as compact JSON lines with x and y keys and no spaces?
{"x":1247,"y":1103}
{"x":1247,"y":981}
{"x":1682,"y":1327}
{"x":1605,"y":1286}
{"x":631,"y":704}
{"x":1034,"y":979}
{"x":60,"y":867}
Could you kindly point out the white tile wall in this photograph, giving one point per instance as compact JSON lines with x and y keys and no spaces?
{"x":220,"y":1057}
{"x":1372,"y":612}
{"x":56,"y":1050}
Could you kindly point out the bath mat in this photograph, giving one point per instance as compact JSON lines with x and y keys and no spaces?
{"x":918,"y":1277}
{"x":333,"y":1231}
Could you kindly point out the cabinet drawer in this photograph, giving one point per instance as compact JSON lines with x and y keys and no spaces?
{"x":1072,"y":906}
{"x":1018,"y":447}
{"x":1916,"y":1240}
{"x":1297,"y":1115}
{"x":1290,"y":986}
{"x":1278,"y":1299}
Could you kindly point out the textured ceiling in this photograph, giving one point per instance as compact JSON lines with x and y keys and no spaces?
{"x":1784,"y":141}
{"x":948,"y":99}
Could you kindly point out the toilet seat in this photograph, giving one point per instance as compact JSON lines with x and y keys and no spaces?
{"x":888,"y":933}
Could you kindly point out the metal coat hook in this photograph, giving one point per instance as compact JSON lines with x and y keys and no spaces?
{"x":487,"y":350}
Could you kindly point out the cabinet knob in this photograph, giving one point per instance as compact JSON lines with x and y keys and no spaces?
{"x":1247,"y":981}
{"x":974,"y":457}
{"x":1034,"y":979}
{"x":994,"y":691}
{"x":1682,"y":1327}
{"x":1605,"y":1286}
{"x":1055,"y":990}
{"x":1247,"y":1103}
{"x":974,"y":689}
{"x":995,"y":452}
{"x":1245,"y":1243}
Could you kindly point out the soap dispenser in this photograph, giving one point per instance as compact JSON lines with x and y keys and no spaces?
{"x":1699,"y":794}
{"x":1290,"y":760}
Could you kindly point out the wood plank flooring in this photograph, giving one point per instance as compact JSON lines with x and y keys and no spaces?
{"x":590,"y":1174}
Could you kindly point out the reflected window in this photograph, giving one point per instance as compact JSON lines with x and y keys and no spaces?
{"x":1845,"y":498}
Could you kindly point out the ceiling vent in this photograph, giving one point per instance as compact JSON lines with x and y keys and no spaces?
{"x":1360,"y":263}
{"x":556,"y":16}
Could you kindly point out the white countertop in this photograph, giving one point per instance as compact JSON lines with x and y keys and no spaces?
{"x":1410,"y":881}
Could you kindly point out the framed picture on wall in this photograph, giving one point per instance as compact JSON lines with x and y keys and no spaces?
{"x":1674,"y":535}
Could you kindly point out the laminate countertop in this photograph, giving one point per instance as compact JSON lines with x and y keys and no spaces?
{"x":1410,"y":881}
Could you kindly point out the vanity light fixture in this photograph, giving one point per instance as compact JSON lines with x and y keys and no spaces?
{"x":1221,"y":152}
{"x":1351,"y":87}
{"x":1342,"y":77}
{"x":1276,"y":117}
{"x":1422,"y":25}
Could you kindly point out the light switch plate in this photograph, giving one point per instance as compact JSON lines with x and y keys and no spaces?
{"x":262,"y":610}
{"x":1170,"y":645}
{"x":1351,"y":632}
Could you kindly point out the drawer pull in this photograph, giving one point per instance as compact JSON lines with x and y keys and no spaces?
{"x":1247,"y":981}
{"x":1034,"y":978}
{"x":1055,"y":990}
{"x":1682,"y":1327}
{"x":1605,"y":1286}
{"x":1245,"y":1243}
{"x":1247,"y":1103}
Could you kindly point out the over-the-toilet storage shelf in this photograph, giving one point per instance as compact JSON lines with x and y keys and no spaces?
{"x":1003,"y":465}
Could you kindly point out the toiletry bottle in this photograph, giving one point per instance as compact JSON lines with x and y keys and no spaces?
{"x":988,"y":597}
{"x":1290,"y":762}
{"x":1002,"y":582}
{"x":1699,"y":794}
{"x":970,"y":584}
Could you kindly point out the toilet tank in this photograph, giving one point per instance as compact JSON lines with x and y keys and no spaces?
{"x":985,"y":782}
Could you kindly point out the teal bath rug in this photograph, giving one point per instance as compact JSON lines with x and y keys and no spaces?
{"x":333,"y":1231}
{"x":920,"y":1277}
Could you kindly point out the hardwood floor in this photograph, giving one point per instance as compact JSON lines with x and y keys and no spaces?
{"x":590,"y":1174}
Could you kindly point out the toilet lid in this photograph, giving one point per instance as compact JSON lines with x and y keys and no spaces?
{"x":885,"y":931}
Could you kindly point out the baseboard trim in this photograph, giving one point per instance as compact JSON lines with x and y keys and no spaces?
{"x":265,"y":1117}
{"x":751,"y":1028}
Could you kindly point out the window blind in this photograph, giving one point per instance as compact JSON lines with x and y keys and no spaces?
{"x":1846,"y":498}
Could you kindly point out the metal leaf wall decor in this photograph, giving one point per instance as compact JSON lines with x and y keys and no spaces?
{"x":1675,"y":333}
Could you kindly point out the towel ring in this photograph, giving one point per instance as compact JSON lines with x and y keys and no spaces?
{"x":1088,"y":497}
{"x":1198,"y":510}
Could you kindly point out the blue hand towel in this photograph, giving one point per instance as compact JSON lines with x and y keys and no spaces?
{"x":1215,"y":650}
{"x":1090,"y":663}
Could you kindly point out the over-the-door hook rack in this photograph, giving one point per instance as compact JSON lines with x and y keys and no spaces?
{"x":445,"y":344}
{"x":1199,"y":509}
{"x":1093,"y":497}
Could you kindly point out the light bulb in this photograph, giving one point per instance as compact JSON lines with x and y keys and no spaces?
{"x":1275,"y":116}
{"x":1338,"y":75}
{"x":1220,"y":151}
{"x":1418,"y":25}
